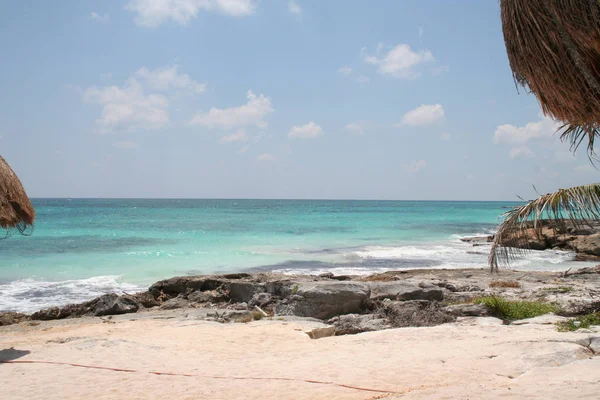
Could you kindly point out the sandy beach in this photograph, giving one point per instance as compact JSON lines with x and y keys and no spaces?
{"x":275,"y":359}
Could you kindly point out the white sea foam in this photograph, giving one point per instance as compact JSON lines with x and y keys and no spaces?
{"x":29,"y":295}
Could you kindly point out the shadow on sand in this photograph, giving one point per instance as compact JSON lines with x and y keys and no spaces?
{"x":12,"y":354}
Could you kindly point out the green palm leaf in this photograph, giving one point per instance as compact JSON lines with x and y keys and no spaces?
{"x":576,"y":207}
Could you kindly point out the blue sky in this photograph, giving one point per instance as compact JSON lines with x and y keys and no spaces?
{"x":409,"y":99}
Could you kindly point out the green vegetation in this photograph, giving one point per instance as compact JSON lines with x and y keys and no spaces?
{"x":583,"y":321}
{"x":559,"y":289}
{"x":295,"y":289}
{"x":515,"y":309}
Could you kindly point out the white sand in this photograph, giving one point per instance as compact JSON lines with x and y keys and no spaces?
{"x":473,"y":359}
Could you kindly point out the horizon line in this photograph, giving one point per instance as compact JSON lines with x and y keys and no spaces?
{"x":263,"y":198}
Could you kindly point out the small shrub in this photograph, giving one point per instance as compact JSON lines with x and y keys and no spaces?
{"x":583,"y":321}
{"x":559,"y":289}
{"x":515,"y":309}
{"x":505,"y":284}
{"x":295,"y":289}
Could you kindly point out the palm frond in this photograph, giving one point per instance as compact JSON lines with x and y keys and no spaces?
{"x":577,"y":207}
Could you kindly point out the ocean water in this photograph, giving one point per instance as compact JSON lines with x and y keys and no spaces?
{"x":83,"y":248}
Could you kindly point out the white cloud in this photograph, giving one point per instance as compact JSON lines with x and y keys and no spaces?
{"x":417,"y":166}
{"x":152,"y":13}
{"x":128,"y":107}
{"x":125,"y":145}
{"x":521,"y":152}
{"x":294,"y":8}
{"x":239,"y":136}
{"x":425,"y":114}
{"x":308,"y":131}
{"x":251,"y":113}
{"x":510,"y":134}
{"x":266,"y":157}
{"x":100,"y":18}
{"x":356,"y":127}
{"x":167,"y":77}
{"x":345,"y":70}
{"x":445,"y":136}
{"x":585,"y":168}
{"x":400,"y":62}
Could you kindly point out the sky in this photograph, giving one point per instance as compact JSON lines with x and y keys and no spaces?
{"x":302,"y":99}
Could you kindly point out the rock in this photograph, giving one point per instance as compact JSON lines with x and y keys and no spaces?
{"x":591,"y":342}
{"x":48,"y":314}
{"x":146,"y":299}
{"x":414,"y":313}
{"x":260,"y":299}
{"x":478,"y":239}
{"x":467,"y":310}
{"x":243,"y":291}
{"x":351,"y":324}
{"x":327,"y":275}
{"x":402,"y":290}
{"x":318,"y":333}
{"x":209,"y":296}
{"x":548,"y":319}
{"x":584,"y":271}
{"x":325,"y":299}
{"x":178,"y":285}
{"x":586,"y":257}
{"x":589,"y":244}
{"x":113,"y":304}
{"x":240,"y":306}
{"x":175,"y":303}
{"x":10,"y":317}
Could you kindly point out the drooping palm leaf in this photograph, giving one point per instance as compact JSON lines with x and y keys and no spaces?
{"x":576,"y":207}
{"x":16,"y":211}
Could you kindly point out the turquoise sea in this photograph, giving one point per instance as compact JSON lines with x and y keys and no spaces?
{"x":83,"y":248}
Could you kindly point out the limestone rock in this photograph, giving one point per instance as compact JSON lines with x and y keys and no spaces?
{"x":175,"y":303}
{"x":467,"y":310}
{"x":402,"y":290}
{"x":351,"y":324}
{"x":318,"y":333}
{"x":112,"y":304}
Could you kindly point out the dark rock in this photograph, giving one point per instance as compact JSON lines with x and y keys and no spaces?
{"x":351,"y":324}
{"x":209,"y":296}
{"x":328,"y":275}
{"x":326,"y":299}
{"x":146,"y":299}
{"x":178,"y":285}
{"x":48,"y":314}
{"x":243,"y":291}
{"x":414,"y":313}
{"x":402,"y":290}
{"x":478,"y":239}
{"x":236,"y":276}
{"x":113,"y":304}
{"x":260,"y":299}
{"x":467,"y":310}
{"x":10,"y":317}
{"x":175,"y":303}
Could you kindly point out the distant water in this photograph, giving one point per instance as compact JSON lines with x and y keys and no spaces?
{"x":83,"y":248}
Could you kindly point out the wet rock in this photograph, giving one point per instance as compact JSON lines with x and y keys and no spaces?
{"x":351,"y":324}
{"x":48,"y":314}
{"x":10,"y":317}
{"x":175,"y":303}
{"x":112,"y":304}
{"x":146,"y":299}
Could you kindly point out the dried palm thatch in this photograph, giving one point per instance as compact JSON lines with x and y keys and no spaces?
{"x":574,"y":208}
{"x":16,"y":211}
{"x":554,"y":51}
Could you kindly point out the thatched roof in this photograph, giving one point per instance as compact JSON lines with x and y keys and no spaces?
{"x":554,"y":50}
{"x":16,"y":211}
